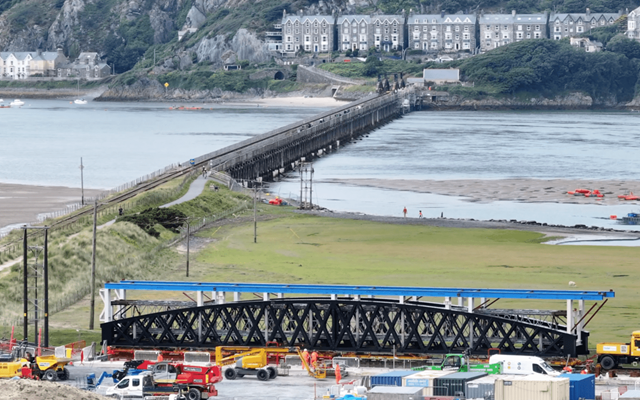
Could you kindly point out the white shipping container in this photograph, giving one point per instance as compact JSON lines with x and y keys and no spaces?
{"x":532,"y":387}
{"x":424,"y":379}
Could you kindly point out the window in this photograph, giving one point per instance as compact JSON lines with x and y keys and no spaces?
{"x":457,"y":28}
{"x":537,"y":27}
{"x":363,"y":30}
{"x":528,"y":27}
{"x":136,"y":382}
{"x":307,"y":47}
{"x":324,"y":38}
{"x":395,"y":30}
{"x":488,"y":26}
{"x":447,"y":36}
{"x":417,"y":45}
{"x":497,"y":27}
{"x":307,"y":38}
{"x":315,"y":31}
{"x":538,"y":370}
{"x":417,"y":28}
{"x":123,"y":384}
{"x":433,"y":28}
{"x":466,"y":28}
{"x":505,"y":27}
{"x":448,"y":29}
{"x":386,"y":30}
{"x":288,"y":30}
{"x":425,"y":28}
{"x":354,"y":30}
{"x":579,"y":29}
{"x":315,"y":39}
{"x":394,"y":38}
{"x":416,"y":21}
{"x":519,"y":27}
{"x":465,"y":36}
{"x":457,"y":37}
{"x":297,"y":38}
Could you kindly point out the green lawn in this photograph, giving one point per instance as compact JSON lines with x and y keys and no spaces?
{"x":295,"y":248}
{"x":303,"y":249}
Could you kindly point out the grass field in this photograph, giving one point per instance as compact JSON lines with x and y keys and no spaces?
{"x":303,"y":249}
{"x":294,"y":248}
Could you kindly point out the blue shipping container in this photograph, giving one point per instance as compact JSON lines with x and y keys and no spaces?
{"x":581,"y":386}
{"x":393,"y":378}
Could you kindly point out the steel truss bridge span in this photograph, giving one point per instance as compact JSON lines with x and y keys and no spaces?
{"x":343,"y":325}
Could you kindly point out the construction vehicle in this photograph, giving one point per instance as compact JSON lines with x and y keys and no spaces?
{"x":460,"y":363}
{"x":48,"y":367}
{"x":611,"y":355}
{"x":248,"y":362}
{"x":163,"y":378}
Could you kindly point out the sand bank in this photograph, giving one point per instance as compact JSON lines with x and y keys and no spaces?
{"x":525,"y":190}
{"x":22,"y":203}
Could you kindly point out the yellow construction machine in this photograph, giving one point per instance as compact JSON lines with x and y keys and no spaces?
{"x":256,"y":361}
{"x":610,"y":355}
{"x":48,"y":368}
{"x":248,"y":361}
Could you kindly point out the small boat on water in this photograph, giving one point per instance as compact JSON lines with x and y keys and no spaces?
{"x":17,"y":103}
{"x":80,"y":101}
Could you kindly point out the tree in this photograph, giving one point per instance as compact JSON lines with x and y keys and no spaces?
{"x":372,"y":66}
{"x":620,"y":44}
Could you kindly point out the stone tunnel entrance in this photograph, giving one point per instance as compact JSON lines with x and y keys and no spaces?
{"x":278,"y":76}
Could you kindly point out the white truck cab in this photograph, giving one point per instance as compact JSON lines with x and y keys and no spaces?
{"x":523,"y":365}
{"x":129,"y":386}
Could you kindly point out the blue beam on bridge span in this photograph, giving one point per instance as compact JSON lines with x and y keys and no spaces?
{"x":362,"y":290}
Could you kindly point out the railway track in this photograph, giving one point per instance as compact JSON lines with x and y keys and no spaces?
{"x":220,"y":159}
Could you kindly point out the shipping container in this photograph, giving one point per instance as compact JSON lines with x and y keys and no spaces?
{"x":455,"y":384}
{"x":394,"y":393}
{"x":424,"y":379}
{"x":484,"y":388}
{"x":581,"y":386}
{"x":532,"y":387}
{"x":393,"y":378}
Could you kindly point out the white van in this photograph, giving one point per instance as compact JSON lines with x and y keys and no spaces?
{"x":523,"y":365}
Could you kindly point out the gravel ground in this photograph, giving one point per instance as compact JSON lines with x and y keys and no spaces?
{"x":23,"y":389}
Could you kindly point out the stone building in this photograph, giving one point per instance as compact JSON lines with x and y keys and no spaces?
{"x":576,"y":24}
{"x":354,"y":32}
{"x":313,"y":33}
{"x":500,"y":29}
{"x":633,"y":24}
{"x":442,"y":32}
{"x":88,"y":65}
{"x":388,"y":32}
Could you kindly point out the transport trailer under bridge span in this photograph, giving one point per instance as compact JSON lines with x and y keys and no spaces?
{"x":363,"y":319}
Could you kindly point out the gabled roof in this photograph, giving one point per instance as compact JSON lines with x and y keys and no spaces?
{"x":583,"y":16}
{"x":388,"y":18}
{"x":531,"y":18}
{"x":357,"y":18}
{"x":22,"y":55}
{"x":311,"y":18}
{"x":496,"y":18}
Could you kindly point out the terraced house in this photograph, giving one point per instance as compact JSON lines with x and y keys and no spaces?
{"x":309,"y":33}
{"x":25,"y":64}
{"x":500,"y":29}
{"x":442,"y":32}
{"x":355,"y":32}
{"x":576,"y":24}
{"x":388,"y":32}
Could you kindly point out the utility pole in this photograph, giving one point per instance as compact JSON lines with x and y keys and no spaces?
{"x":188,"y":234}
{"x":154,"y":57}
{"x":255,"y":223}
{"x":82,"y":179}
{"x":93,"y":266}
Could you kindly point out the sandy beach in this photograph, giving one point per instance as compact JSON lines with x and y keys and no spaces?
{"x":22,"y":203}
{"x":524,"y":190}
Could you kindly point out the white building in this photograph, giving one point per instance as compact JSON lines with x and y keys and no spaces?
{"x":313,"y":33}
{"x":633,"y":24}
{"x":23,"y":64}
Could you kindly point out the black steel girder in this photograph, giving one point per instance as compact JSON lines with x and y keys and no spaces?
{"x":366,"y":326}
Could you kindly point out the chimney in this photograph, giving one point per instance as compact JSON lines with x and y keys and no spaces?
{"x":284,"y":14}
{"x":588,"y":12}
{"x":513,"y":13}
{"x":442,"y":14}
{"x":59,"y":51}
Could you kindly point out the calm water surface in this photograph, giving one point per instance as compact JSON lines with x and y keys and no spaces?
{"x":42,"y":142}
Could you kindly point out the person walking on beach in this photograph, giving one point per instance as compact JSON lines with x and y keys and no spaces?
{"x":405,"y":212}
{"x":420,"y":215}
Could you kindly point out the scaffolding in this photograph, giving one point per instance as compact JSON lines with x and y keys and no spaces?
{"x":36,"y":285}
{"x":306,"y":185}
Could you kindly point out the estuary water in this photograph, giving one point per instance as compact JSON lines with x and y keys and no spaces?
{"x":481,"y":145}
{"x":42,"y":142}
